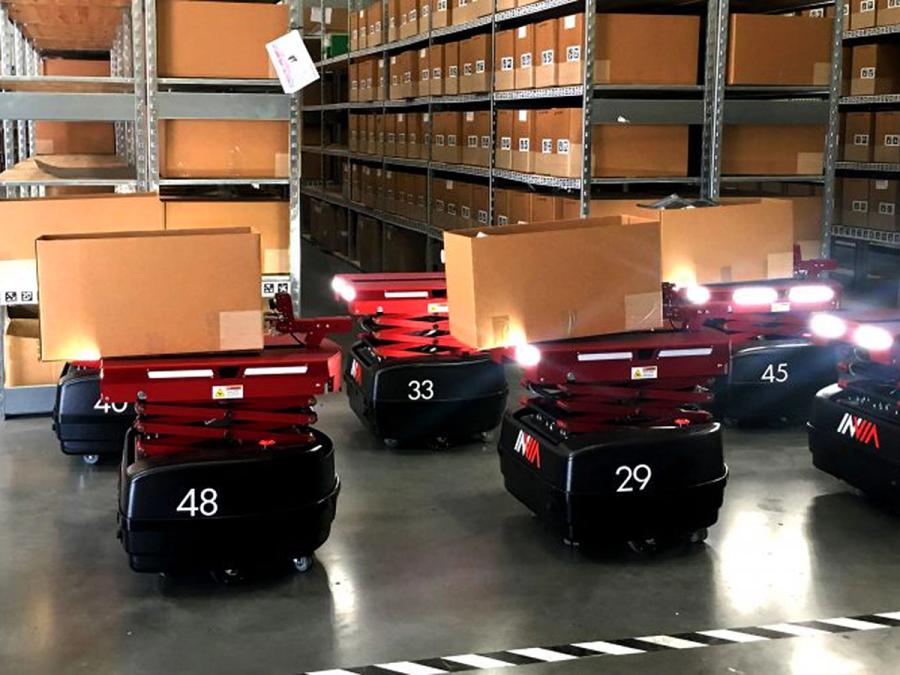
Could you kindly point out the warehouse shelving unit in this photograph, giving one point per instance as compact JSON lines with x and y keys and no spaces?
{"x":710,"y":105}
{"x":865,"y":242}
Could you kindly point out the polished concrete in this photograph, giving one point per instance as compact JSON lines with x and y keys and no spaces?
{"x":430,"y":556}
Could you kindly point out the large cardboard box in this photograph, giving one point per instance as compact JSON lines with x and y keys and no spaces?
{"x":390,"y":135}
{"x":558,"y":148}
{"x":22,"y":365}
{"x":373,"y":19}
{"x":440,"y":13}
{"x":524,"y":53}
{"x":270,"y":219}
{"x":424,"y":64}
{"x":887,"y":12}
{"x":858,"y":135}
{"x":854,"y":202}
{"x":570,"y":43}
{"x":523,"y":131}
{"x":779,"y":50}
{"x":223,"y":149}
{"x":637,"y":150}
{"x":481,"y":206}
{"x":504,"y":150}
{"x":887,"y":137}
{"x":186,"y":291}
{"x":394,"y":20}
{"x":372,"y":134}
{"x":773,"y":149}
{"x":451,"y":68}
{"x":862,"y":14}
{"x":329,"y":20}
{"x":501,"y":206}
{"x":545,"y":207}
{"x":505,"y":60}
{"x":436,"y":60}
{"x":884,"y":202}
{"x":447,"y":135}
{"x":380,"y":79}
{"x":529,"y":283}
{"x":876,"y":70}
{"x":520,"y":203}
{"x":368,"y":244}
{"x":415,"y":127}
{"x":477,"y":134}
{"x":465,"y":218}
{"x":409,"y":18}
{"x":622,"y":56}
{"x":404,"y":250}
{"x":475,"y":56}
{"x":545,"y":49}
{"x":353,"y":77}
{"x":402,"y":124}
{"x":190,"y":38}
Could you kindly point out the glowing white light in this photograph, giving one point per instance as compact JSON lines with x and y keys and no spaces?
{"x":343,"y":289}
{"x":828,"y":326}
{"x":873,"y":338}
{"x":527,"y":355}
{"x":697,"y":295}
{"x":755,"y":295}
{"x":811,"y":294}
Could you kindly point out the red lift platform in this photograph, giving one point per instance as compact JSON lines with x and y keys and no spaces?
{"x":407,"y":378}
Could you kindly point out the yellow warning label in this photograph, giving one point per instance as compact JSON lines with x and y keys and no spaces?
{"x":644,"y":373}
{"x":227,"y":392}
{"x":437,"y":308}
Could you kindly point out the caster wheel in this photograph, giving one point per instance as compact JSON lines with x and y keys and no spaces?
{"x":487,"y":436}
{"x":303,"y":563}
{"x":698,"y":536}
{"x":91,"y":459}
{"x":645,"y":546}
{"x":228,"y":577}
{"x":391,"y":442}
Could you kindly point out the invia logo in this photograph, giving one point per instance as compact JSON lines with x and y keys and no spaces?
{"x":861,"y":429}
{"x":529,"y":448}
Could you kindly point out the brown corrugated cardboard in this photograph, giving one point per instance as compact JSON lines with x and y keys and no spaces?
{"x":462,"y":12}
{"x":329,"y":20}
{"x":477,"y":135}
{"x":390,"y":135}
{"x":402,"y":145}
{"x":270,"y":219}
{"x":480,"y":205}
{"x":876,"y":69}
{"x":404,"y":250}
{"x":451,"y":204}
{"x":436,"y":59}
{"x":380,"y":79}
{"x":884,"y":202}
{"x":545,"y":207}
{"x":447,"y":137}
{"x":545,"y":54}
{"x":354,"y":30}
{"x":451,"y":68}
{"x":622,"y":56}
{"x":887,"y":12}
{"x":465,"y":217}
{"x":378,"y":182}
{"x":379,"y":134}
{"x":414,"y":145}
{"x":854,"y":202}
{"x":779,"y":50}
{"x":152,"y":269}
{"x":390,"y":191}
{"x":440,"y":13}
{"x":22,"y":365}
{"x":353,"y":72}
{"x":356,"y":191}
{"x":539,"y":282}
{"x":504,"y":60}
{"x":845,"y":18}
{"x":570,"y":41}
{"x":395,"y":73}
{"x":438,"y":204}
{"x":409,"y":67}
{"x":862,"y":14}
{"x":410,"y":18}
{"x":423,"y":86}
{"x":858,"y":136}
{"x":773,"y":149}
{"x":189,"y":38}
{"x":639,"y":150}
{"x":401,"y":187}
{"x":501,"y":206}
{"x":368,"y":244}
{"x":504,"y":151}
{"x":420,"y":192}
{"x":505,"y":4}
{"x":371,"y":134}
{"x":475,"y":56}
{"x":519,"y":207}
{"x":887,"y":137}
{"x":373,"y":19}
{"x":523,"y":132}
{"x":394,"y":20}
{"x":424,"y":15}
{"x":524,"y":53}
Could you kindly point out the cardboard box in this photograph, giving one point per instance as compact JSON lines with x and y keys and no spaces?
{"x":524,"y":53}
{"x":887,"y":12}
{"x":438,"y":203}
{"x":390,"y":135}
{"x":447,"y":137}
{"x":523,"y":132}
{"x":353,"y":76}
{"x":876,"y":70}
{"x":854,"y":202}
{"x":368,"y":244}
{"x":424,"y":15}
{"x":423,"y":87}
{"x":636,"y":150}
{"x":462,"y":12}
{"x":501,"y":206}
{"x":356,"y":183}
{"x":779,"y":50}
{"x":887,"y":137}
{"x":883,"y":205}
{"x":558,"y":148}
{"x":519,"y":207}
{"x":270,"y":219}
{"x":189,"y":38}
{"x":546,"y":54}
{"x":22,"y":365}
{"x":475,"y":55}
{"x":451,"y":68}
{"x":465,"y":216}
{"x":819,"y":12}
{"x":481,"y":205}
{"x":569,"y":208}
{"x":451,"y":206}
{"x":394,"y":20}
{"x":477,"y":134}
{"x":545,"y":208}
{"x":402,"y":146}
{"x":570,"y":43}
{"x":503,"y":158}
{"x":862,"y":14}
{"x":380,"y":80}
{"x":857,"y":136}
{"x":481,"y":8}
{"x":373,"y":18}
{"x":409,"y":65}
{"x":436,"y":60}
{"x":404,"y":250}
{"x":539,"y":282}
{"x":221,"y":313}
{"x":371,"y":135}
{"x":420,"y":190}
{"x":622,"y":56}
{"x":395,"y":73}
{"x":440,"y":13}
{"x":504,"y":60}
{"x":327,"y":20}
{"x":774,"y":150}
{"x":409,"y":25}
{"x":354,"y":31}
{"x":379,"y":188}
{"x":415,"y":147}
{"x":503,"y":5}
{"x":379,"y":134}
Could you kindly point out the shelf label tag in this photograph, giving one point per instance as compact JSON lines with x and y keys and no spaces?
{"x":292,"y":62}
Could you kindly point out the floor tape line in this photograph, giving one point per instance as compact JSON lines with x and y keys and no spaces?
{"x":622,"y":647}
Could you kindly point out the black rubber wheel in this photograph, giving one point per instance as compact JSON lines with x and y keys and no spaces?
{"x":303,"y":563}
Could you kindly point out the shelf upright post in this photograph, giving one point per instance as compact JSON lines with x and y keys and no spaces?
{"x":21,"y":125}
{"x":587,"y":106}
{"x":714,"y":97}
{"x":6,"y":69}
{"x":294,"y":253}
{"x":32,"y":69}
{"x":831,"y":139}
{"x":148,"y":121}
{"x":116,"y":70}
{"x":493,"y":155}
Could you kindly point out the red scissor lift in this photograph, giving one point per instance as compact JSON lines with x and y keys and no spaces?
{"x":407,"y":378}
{"x":222,"y":469}
{"x":854,"y":429}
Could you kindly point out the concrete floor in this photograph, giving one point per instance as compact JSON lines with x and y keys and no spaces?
{"x":430,"y":556}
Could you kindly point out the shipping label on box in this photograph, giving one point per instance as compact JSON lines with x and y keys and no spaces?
{"x":524,"y":53}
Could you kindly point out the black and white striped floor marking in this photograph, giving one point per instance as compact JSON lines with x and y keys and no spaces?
{"x":626,"y":647}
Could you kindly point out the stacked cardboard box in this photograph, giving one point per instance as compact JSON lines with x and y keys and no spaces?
{"x":887,"y":137}
{"x":871,"y":13}
{"x":773,"y":149}
{"x":858,"y":132}
{"x":875,"y":70}
{"x":779,"y":50}
{"x":868,"y":203}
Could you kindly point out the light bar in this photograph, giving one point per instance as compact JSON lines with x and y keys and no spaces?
{"x":696,"y":351}
{"x":405,"y":294}
{"x":527,"y":355}
{"x":809,"y":295}
{"x":754,"y":295}
{"x":605,"y":356}
{"x":178,"y":374}
{"x":343,"y":289}
{"x":827,"y":326}
{"x":873,"y":338}
{"x":697,"y":295}
{"x":276,"y":370}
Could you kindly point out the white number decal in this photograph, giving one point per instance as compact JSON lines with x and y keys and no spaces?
{"x":208,"y":505}
{"x":774,"y":373}
{"x":106,"y":407}
{"x":639,"y":474}
{"x":423,"y":390}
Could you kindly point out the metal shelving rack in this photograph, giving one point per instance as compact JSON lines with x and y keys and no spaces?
{"x":862,"y":240}
{"x":710,"y":105}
